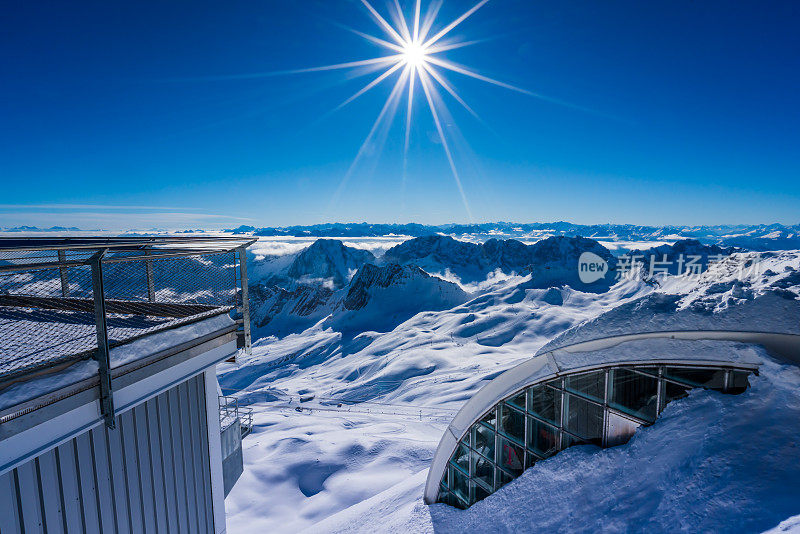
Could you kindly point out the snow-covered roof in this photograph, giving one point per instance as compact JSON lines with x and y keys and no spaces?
{"x":139,"y":349}
{"x":772,"y":312}
{"x":54,"y":337}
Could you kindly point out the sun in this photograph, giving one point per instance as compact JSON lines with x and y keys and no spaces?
{"x":414,"y":54}
{"x":416,"y":61}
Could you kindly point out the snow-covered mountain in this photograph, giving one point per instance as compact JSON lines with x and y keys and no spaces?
{"x":381,"y":297}
{"x":552,"y":261}
{"x":278,"y":311}
{"x":687,"y":249}
{"x":376,"y":298}
{"x":438,"y":254}
{"x":330,"y":278}
{"x":328,"y":262}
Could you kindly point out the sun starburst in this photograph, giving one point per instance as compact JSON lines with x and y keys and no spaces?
{"x":416,"y":60}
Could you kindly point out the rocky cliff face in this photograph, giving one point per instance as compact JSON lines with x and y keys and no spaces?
{"x":275,"y":310}
{"x":471,"y":262}
{"x":381,"y":297}
{"x":370,"y":279}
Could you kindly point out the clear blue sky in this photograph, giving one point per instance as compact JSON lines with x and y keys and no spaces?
{"x":131,"y":114}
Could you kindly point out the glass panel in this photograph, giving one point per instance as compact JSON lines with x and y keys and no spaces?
{"x":482,"y":469}
{"x":458,"y":483}
{"x":620,"y":429}
{"x":585,"y":419}
{"x":503,"y":478}
{"x":451,"y":500}
{"x":542,"y":439}
{"x":568,"y":440}
{"x":738,"y":382}
{"x":591,"y":385}
{"x":511,"y":457}
{"x":634,"y":393}
{"x":461,"y":457}
{"x":546,"y":403}
{"x":478,"y":492}
{"x":707,"y":378}
{"x":554,"y":383}
{"x":489,"y":418}
{"x":530,"y":460}
{"x":674,"y":391}
{"x":653,"y":371}
{"x":512,"y":423}
{"x":483,"y":439}
{"x":518,"y":401}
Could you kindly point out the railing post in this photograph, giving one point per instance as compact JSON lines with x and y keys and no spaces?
{"x":245,"y":309}
{"x":102,"y":356}
{"x":151,"y":287}
{"x":62,"y":258}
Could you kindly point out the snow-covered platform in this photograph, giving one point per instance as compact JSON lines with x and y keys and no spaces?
{"x":109,"y":409}
{"x":44,"y":338}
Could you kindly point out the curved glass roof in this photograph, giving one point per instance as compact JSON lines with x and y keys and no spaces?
{"x":603,"y":406}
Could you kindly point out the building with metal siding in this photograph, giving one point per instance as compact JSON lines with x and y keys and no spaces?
{"x":139,"y":448}
{"x":151,"y":471}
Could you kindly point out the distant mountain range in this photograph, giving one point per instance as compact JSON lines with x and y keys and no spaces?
{"x":37,"y":229}
{"x":753,"y":237}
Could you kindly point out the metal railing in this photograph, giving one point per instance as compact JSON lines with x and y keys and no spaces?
{"x":67,"y":299}
{"x":230,"y":412}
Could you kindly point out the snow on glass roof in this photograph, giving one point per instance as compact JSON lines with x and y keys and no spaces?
{"x":561,"y":399}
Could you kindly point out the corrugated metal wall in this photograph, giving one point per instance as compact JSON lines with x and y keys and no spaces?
{"x":150,"y":474}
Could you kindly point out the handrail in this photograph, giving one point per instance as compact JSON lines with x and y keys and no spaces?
{"x":229,"y":410}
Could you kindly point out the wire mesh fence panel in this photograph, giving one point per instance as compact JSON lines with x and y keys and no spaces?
{"x":39,"y":326}
{"x":208,"y":279}
{"x":145,"y":295}
{"x":48,"y":305}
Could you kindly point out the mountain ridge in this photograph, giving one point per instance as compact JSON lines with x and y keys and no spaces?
{"x":772,"y":236}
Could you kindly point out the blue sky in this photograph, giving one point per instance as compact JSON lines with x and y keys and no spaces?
{"x":156,"y":114}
